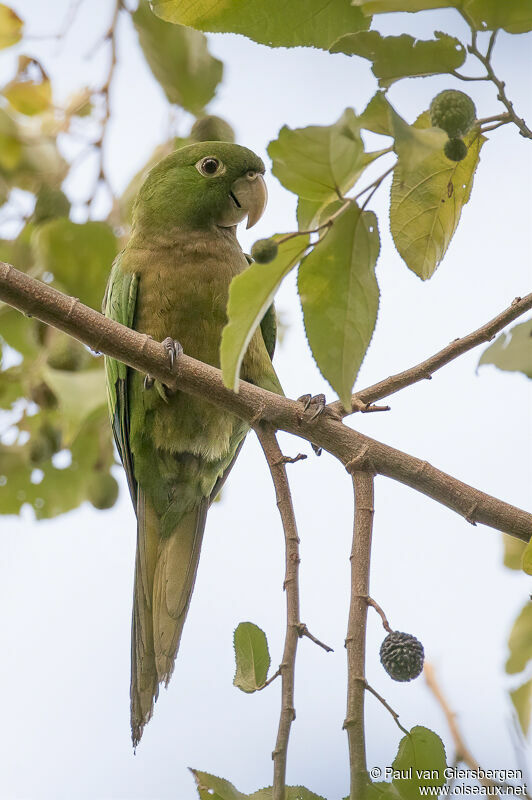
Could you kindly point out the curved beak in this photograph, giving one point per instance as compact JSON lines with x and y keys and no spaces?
{"x":248,"y":198}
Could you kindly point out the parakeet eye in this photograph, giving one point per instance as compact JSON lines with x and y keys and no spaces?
{"x":210,"y":166}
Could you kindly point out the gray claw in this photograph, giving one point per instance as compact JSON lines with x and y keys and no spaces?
{"x":317,"y":450}
{"x":148,"y":382}
{"x":174,"y":349}
{"x":318,"y":400}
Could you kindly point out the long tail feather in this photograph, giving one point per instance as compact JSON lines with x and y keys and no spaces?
{"x":165,"y":572}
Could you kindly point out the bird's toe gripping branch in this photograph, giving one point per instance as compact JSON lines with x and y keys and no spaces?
{"x":174,"y":350}
{"x":318,"y":401}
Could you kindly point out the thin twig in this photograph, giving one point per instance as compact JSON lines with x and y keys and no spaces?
{"x":270,"y":680}
{"x":274,"y":457}
{"x":254,"y":405}
{"x":386,"y":705}
{"x":105,"y":92}
{"x":385,"y":624}
{"x":485,"y":60}
{"x":462,"y":751}
{"x":356,"y":633}
{"x":304,"y":631}
{"x":425,"y":370}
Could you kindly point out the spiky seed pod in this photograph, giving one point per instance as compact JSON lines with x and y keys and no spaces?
{"x":455,"y":149}
{"x":264,"y":251}
{"x":454,"y":112}
{"x":402,"y":656}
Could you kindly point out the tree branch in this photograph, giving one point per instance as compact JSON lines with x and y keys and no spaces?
{"x":252,"y":404}
{"x":276,"y":463}
{"x":426,"y":369}
{"x":356,"y":633}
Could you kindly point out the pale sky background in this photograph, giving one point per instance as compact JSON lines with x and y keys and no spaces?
{"x":66,"y":584}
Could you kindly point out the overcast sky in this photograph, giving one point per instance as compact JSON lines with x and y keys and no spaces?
{"x":66,"y":584}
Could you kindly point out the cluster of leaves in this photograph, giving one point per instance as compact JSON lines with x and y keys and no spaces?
{"x":58,"y":451}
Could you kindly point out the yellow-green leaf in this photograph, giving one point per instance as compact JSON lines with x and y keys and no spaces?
{"x":522,"y":701}
{"x":526,"y":560}
{"x":250,"y":295}
{"x":421,"y":761}
{"x":251,"y":656}
{"x":513,"y":551}
{"x":79,"y":394}
{"x":340,"y":297}
{"x":179,"y":59}
{"x":319,"y":161}
{"x":10,"y":27}
{"x":313,"y":23}
{"x":512,"y":350}
{"x":30,"y":91}
{"x":396,"y":57}
{"x":426,"y":204}
{"x":520,"y":641}
{"x":78,"y":255}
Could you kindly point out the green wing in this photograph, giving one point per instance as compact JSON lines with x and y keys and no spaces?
{"x":119,"y":304}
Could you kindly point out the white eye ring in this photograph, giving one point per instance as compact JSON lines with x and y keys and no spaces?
{"x":210,"y":167}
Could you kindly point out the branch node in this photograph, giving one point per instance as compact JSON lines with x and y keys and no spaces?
{"x":302,"y":630}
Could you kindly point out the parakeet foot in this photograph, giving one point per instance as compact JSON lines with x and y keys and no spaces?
{"x":318,"y":400}
{"x":174,"y":349}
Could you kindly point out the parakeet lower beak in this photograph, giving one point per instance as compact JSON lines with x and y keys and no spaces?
{"x":248,"y":198}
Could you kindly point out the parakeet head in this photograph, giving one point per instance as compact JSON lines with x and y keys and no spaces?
{"x":200,"y":186}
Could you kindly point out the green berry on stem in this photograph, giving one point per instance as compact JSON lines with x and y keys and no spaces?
{"x":454,"y":112}
{"x":264,"y":251}
{"x":455,"y":149}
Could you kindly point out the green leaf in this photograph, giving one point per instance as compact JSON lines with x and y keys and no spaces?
{"x":10,"y":27}
{"x":396,"y":57}
{"x":59,"y":490}
{"x":422,"y":752}
{"x":514,"y":16}
{"x":211,"y":787}
{"x":526,"y":559}
{"x":513,"y":551}
{"x":313,"y":23}
{"x":426,"y":204}
{"x":179,"y":60}
{"x":252,"y":657}
{"x":10,"y":144}
{"x":11,"y":386}
{"x":79,"y":394}
{"x":319,"y":161}
{"x":522,"y":701}
{"x":30,"y":91}
{"x":340,"y":297}
{"x":250,"y":295}
{"x":382,"y":791}
{"x":520,"y":641}
{"x":512,"y":350}
{"x":78,"y":255}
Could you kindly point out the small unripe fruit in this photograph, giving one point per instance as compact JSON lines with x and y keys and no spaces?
{"x":102,"y":490}
{"x":44,"y":443}
{"x":264,"y":251}
{"x":41,"y":394}
{"x":212,"y":129}
{"x":454,"y":112}
{"x":455,"y":149}
{"x":402,"y":656}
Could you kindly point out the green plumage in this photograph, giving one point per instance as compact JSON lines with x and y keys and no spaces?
{"x":172,"y":280}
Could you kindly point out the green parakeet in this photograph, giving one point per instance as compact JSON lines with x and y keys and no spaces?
{"x":171,"y":282}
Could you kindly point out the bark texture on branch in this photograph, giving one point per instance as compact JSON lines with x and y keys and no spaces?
{"x":355,"y":450}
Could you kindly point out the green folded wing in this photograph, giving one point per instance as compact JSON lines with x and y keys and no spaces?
{"x":119,"y":304}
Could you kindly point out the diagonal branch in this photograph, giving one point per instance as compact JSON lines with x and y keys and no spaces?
{"x":252,"y":404}
{"x":425,"y":370}
{"x":277,"y":465}
{"x":356,"y":633}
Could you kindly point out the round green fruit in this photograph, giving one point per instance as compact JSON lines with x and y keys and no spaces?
{"x":67,"y":354}
{"x":264,"y":251}
{"x":44,"y":443}
{"x":51,"y":203}
{"x":102,"y":490}
{"x":212,"y":129}
{"x":402,"y":656}
{"x":455,"y":149}
{"x":454,"y":112}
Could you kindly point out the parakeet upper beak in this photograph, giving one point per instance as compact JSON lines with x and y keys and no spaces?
{"x":248,"y":197}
